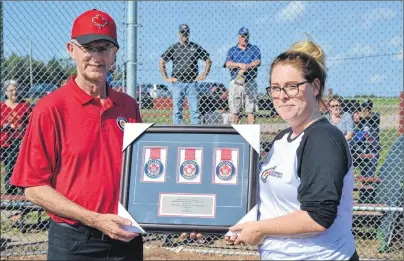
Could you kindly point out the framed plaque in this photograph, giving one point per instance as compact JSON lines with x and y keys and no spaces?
{"x":183,"y":178}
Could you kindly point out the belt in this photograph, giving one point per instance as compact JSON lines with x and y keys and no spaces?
{"x":89,"y":231}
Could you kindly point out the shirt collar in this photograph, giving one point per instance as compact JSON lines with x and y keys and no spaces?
{"x":84,"y":98}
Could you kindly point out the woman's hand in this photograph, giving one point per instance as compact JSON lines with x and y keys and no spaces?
{"x":250,"y":233}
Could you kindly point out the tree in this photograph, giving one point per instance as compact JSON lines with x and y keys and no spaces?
{"x":54,"y":71}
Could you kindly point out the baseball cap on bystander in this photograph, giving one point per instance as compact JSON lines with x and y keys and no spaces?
{"x":94,"y":25}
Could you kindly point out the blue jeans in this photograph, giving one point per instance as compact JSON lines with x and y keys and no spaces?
{"x":180,"y":91}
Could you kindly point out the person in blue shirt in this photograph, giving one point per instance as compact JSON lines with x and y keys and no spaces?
{"x":365,"y":144}
{"x":243,"y":61}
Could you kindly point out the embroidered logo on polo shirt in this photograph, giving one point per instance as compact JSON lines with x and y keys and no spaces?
{"x":121,"y":121}
{"x":270,"y":172}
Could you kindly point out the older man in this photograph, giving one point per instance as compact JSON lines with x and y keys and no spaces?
{"x":243,"y":61}
{"x":70,"y":159}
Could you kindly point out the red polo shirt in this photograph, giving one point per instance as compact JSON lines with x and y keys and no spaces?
{"x":74,"y":144}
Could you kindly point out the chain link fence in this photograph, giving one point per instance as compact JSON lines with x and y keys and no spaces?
{"x":190,"y":83}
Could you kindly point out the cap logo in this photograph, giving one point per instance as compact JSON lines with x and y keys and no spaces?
{"x":100,"y":21}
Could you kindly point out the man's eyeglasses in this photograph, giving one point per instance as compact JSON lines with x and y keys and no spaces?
{"x":94,"y":49}
{"x":335,"y":106}
{"x":291,"y":89}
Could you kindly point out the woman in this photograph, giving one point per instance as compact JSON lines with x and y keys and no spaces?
{"x":306,"y":184}
{"x":342,"y":120}
{"x":13,"y":120}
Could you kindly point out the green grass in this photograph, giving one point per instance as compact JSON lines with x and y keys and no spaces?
{"x":379,"y":102}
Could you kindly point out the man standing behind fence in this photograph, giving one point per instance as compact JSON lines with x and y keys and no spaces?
{"x":243,"y":61}
{"x":70,"y":159}
{"x":185,"y":56}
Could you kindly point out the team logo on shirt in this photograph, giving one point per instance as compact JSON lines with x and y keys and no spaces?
{"x":225,"y":170}
{"x":270,"y":172}
{"x":154,"y":168}
{"x":121,"y":121}
{"x":189,"y":169}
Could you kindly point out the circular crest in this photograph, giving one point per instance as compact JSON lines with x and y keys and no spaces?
{"x":189,"y":169}
{"x":225,"y":170}
{"x":154,"y":168}
{"x":121,"y":121}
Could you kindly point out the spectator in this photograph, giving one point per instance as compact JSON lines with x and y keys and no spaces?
{"x":70,"y":158}
{"x":365,"y":145}
{"x":342,"y":120}
{"x":390,"y":192}
{"x":185,"y":56}
{"x":243,"y":61}
{"x":15,"y":114}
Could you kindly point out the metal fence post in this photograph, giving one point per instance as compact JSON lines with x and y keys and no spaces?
{"x":131,"y":66}
{"x":401,"y":114}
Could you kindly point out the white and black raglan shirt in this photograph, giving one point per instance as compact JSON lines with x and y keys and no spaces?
{"x":311,"y":172}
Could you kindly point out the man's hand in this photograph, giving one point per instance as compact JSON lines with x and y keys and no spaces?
{"x":172,"y":79}
{"x":243,"y":66}
{"x":224,"y":95}
{"x":121,"y":89}
{"x":200,"y":78}
{"x":109,"y":224}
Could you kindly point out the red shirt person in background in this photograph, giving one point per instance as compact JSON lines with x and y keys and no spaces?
{"x":71,"y":156}
{"x":14,"y":114}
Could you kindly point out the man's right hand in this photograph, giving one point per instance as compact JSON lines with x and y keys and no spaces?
{"x":243,"y":66}
{"x":110,"y":225}
{"x":172,"y":79}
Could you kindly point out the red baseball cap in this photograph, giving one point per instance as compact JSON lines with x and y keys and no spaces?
{"x":94,"y":25}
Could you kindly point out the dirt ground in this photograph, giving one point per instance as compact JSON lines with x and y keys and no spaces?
{"x":164,"y":254}
{"x":366,"y":250}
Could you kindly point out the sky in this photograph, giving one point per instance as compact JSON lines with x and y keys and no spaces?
{"x":363,"y":40}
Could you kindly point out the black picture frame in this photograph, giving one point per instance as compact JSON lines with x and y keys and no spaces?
{"x":253,"y":167}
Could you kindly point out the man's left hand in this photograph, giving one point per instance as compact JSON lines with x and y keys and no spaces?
{"x":121,"y":89}
{"x":200,"y":78}
{"x":249,"y":233}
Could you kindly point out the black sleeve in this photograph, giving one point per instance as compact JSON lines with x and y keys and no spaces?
{"x":323,"y":164}
{"x":168,"y":54}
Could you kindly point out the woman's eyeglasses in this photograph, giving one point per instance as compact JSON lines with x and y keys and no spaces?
{"x":291,"y":89}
